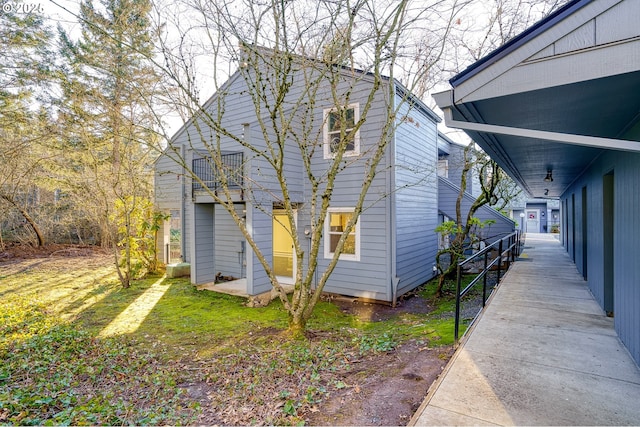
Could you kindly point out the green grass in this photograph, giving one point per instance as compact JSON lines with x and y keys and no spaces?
{"x":78,"y":349}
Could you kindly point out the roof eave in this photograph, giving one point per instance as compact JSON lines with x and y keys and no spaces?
{"x":516,"y":42}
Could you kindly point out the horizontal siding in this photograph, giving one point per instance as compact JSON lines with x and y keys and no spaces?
{"x":367,"y":277}
{"x":167,"y":183}
{"x":447,"y":198}
{"x":371,"y":276}
{"x":416,"y":198}
{"x":263,"y":176}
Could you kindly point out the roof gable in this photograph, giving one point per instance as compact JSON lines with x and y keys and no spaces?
{"x":347,"y":72}
{"x":558,"y":50}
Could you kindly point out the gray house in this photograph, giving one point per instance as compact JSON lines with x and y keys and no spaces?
{"x":557,"y":107}
{"x":393,"y":246}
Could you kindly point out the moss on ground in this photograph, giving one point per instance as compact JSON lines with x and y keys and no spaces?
{"x":78,"y":349}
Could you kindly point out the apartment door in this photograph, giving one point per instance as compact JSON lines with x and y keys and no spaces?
{"x":533,"y":220}
{"x":283,"y":256}
{"x":608,"y":246}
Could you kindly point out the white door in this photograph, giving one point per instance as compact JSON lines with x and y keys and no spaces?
{"x":283,"y":257}
{"x":533,"y":220}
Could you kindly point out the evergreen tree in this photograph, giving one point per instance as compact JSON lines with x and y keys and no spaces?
{"x":108,"y":87}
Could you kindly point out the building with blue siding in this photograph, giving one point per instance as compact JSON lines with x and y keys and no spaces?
{"x":558,"y":108}
{"x":450,"y":167}
{"x":394,"y":244}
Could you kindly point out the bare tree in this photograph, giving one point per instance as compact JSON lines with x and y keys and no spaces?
{"x":302,"y":66}
{"x":483,"y":27}
{"x":496,"y":190}
{"x":487,"y":25}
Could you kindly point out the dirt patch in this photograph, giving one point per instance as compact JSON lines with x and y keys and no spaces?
{"x":376,"y":312}
{"x":20,"y":251}
{"x":386,"y":390}
{"x":18,"y":258}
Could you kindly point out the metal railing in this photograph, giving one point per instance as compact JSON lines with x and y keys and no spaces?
{"x":510,"y":246}
{"x":211,"y":176}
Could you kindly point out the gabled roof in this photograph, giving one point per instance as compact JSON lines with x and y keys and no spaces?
{"x":516,"y":42}
{"x":400,"y":89}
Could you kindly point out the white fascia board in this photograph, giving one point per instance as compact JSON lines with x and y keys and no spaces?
{"x":563,"y":138}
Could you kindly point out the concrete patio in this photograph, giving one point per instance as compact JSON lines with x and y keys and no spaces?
{"x":542,"y":353}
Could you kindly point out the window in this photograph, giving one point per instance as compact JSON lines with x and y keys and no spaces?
{"x":336,"y":223}
{"x":339,"y":122}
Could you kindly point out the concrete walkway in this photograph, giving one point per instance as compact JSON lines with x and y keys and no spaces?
{"x":542,"y":353}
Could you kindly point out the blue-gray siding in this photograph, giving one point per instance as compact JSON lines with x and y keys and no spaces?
{"x":626,"y":234}
{"x":215,"y":248}
{"x":202,"y":267}
{"x":228,"y":239}
{"x":261,"y":228}
{"x":167,"y":184}
{"x":369,"y":277}
{"x":415,"y":202}
{"x":447,"y":196}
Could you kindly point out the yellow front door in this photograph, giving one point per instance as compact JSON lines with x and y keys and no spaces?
{"x":283,"y":260}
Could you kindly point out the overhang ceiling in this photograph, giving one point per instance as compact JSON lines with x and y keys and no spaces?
{"x":555,"y":97}
{"x":605,"y":108}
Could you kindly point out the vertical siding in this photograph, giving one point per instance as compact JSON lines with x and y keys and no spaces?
{"x":203,"y":270}
{"x":260,"y":222}
{"x":626,"y":234}
{"x":415,"y":201}
{"x":626,"y":243}
{"x":228,"y":256}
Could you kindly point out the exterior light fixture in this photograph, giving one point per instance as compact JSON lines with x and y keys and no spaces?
{"x":549,"y":177}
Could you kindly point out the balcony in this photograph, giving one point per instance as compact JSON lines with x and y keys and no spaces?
{"x":212,"y":176}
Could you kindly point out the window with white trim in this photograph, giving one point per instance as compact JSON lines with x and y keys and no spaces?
{"x":335,"y":225}
{"x":339,"y":124}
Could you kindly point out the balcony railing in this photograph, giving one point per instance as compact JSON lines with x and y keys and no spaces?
{"x":212,"y":176}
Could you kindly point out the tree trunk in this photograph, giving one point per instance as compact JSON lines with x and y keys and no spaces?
{"x":297,"y":325}
{"x":27,"y":217}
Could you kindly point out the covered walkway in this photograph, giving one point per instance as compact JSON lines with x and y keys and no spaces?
{"x":542,"y":353}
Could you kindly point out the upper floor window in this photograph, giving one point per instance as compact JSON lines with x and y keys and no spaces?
{"x":338,"y":131}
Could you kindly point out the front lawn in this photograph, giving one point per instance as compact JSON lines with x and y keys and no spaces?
{"x":78,"y":349}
